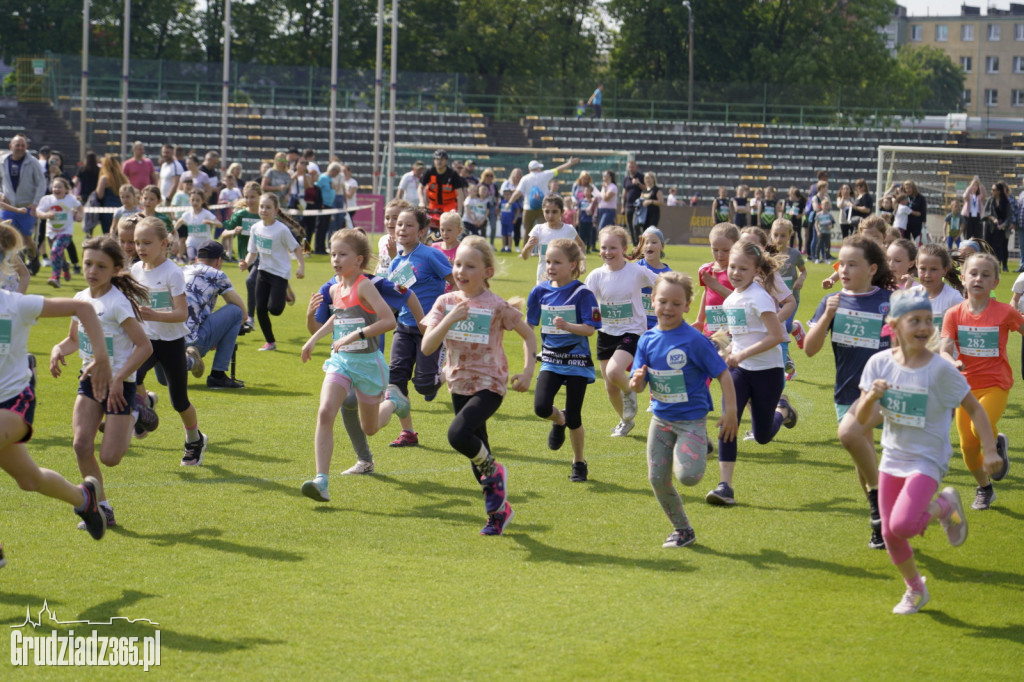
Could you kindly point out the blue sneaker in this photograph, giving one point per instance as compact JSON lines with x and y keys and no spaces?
{"x":498,"y":521}
{"x":394,"y":394}
{"x":494,"y":489}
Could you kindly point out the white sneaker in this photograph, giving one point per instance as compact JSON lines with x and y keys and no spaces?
{"x":623,"y":428}
{"x":955,"y":524}
{"x":912,"y":601}
{"x":360,"y":467}
{"x":629,"y":406}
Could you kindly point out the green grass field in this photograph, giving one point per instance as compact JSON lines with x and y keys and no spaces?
{"x":248,"y":579}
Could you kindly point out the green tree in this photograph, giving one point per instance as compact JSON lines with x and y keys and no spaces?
{"x":938,"y":83}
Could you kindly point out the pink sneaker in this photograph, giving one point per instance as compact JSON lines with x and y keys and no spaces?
{"x":406,"y":439}
{"x":798,"y":334}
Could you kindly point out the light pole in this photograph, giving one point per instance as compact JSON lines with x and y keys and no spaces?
{"x":689,"y":47}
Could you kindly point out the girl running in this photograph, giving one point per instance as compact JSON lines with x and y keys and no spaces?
{"x":902,"y":257}
{"x":679,"y":364}
{"x":199,"y":222}
{"x":164,"y":317}
{"x":115,"y":296}
{"x":939,"y":279}
{"x":471,"y":323}
{"x":856,"y":318}
{"x":129,"y":205}
{"x":387,"y":247}
{"x":916,"y":391}
{"x":18,"y":400}
{"x":149,"y":199}
{"x":754,"y":357}
{"x":60,"y":209}
{"x":714,"y":277}
{"x":552,"y":228}
{"x":793,"y":271}
{"x":450,"y":230}
{"x":650,"y":251}
{"x":272,"y":243}
{"x":425,"y":271}
{"x":617,"y":286}
{"x":240,"y":224}
{"x":974,"y":336}
{"x":356,"y":366}
{"x":568,"y":315}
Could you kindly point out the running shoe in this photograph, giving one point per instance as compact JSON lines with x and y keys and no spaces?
{"x":406,"y":439}
{"x":92,"y":520}
{"x":1003,"y":450}
{"x":316,"y":489}
{"x":268,"y":346}
{"x":195,"y":361}
{"x":3,"y":562}
{"x":146,"y":420}
{"x":556,"y":437}
{"x":194,"y":451}
{"x":67,"y":272}
{"x":495,"y":488}
{"x":108,"y":517}
{"x":395,"y":395}
{"x":984,"y":497}
{"x":54,"y":282}
{"x":954,"y":523}
{"x":876,"y":541}
{"x":629,"y":406}
{"x":680,"y":538}
{"x":912,"y":601}
{"x":579,"y":472}
{"x":498,"y":521}
{"x":790,"y":369}
{"x":791,"y":416}
{"x":359,"y":468}
{"x":223,"y":382}
{"x":622,"y":429}
{"x":798,"y":334}
{"x":721,"y":496}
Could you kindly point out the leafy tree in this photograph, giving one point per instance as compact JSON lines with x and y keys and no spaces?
{"x":938,"y":82}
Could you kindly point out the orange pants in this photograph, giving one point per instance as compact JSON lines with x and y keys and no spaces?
{"x":993,"y":399}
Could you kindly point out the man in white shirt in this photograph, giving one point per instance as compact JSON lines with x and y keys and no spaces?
{"x":170,"y":172}
{"x":409,"y":185}
{"x":536,"y":179}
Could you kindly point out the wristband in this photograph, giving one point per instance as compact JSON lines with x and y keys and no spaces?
{"x":362,"y":335}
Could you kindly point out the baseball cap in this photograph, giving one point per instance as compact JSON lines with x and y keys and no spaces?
{"x":536,"y":165}
{"x":440,"y":154}
{"x":211,"y":251}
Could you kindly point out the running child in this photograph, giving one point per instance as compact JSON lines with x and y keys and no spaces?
{"x":229,"y":195}
{"x":471,"y":323}
{"x":18,"y":400}
{"x":952,"y":224}
{"x":856,"y":318}
{"x":164,"y":317}
{"x":874,"y":228}
{"x":916,"y":390}
{"x":568,"y":315}
{"x":552,"y":228}
{"x":679,"y":363}
{"x":474,"y":209}
{"x":754,"y":358}
{"x":939,"y":278}
{"x":650,"y":251}
{"x":126,"y":238}
{"x":60,"y":210}
{"x":245,"y":215}
{"x":272,"y":243}
{"x":115,"y":296}
{"x":387,"y":247}
{"x":425,"y":271}
{"x":793,"y":271}
{"x":823,"y":224}
{"x":129,"y":205}
{"x":901,"y":207}
{"x":450,"y":230}
{"x":902,"y":258}
{"x":149,"y":199}
{"x":200,"y":224}
{"x":356,"y":365}
{"x":617,"y":285}
{"x":714,"y":278}
{"x":977,"y":330}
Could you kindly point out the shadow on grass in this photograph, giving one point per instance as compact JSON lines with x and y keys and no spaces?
{"x":222,"y":475}
{"x":268,"y":389}
{"x":209,"y":538}
{"x":837,"y":505}
{"x":771,"y":559}
{"x":599,"y":486}
{"x":471,"y":493}
{"x":541,"y":552}
{"x":222,"y":447}
{"x":955,"y":573}
{"x":1011,"y":633}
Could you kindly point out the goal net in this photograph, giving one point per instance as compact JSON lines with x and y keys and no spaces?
{"x":943,"y":173}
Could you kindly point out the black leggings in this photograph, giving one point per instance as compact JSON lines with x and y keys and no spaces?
{"x":468,"y":431}
{"x":548,"y":384}
{"x":270,"y":299}
{"x":250,"y":287}
{"x":171,"y":356}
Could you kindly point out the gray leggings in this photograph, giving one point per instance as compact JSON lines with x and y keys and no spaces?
{"x":675,"y":447}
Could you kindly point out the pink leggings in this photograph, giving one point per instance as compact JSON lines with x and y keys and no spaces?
{"x":903,"y":503}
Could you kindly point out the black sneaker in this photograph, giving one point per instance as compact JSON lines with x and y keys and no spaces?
{"x":556,"y":437}
{"x":722,"y":496}
{"x":32,"y":378}
{"x":579,"y":472}
{"x":1003,"y":450}
{"x":194,"y":451}
{"x":681,"y":538}
{"x":33,"y":266}
{"x":876,"y":541}
{"x":711,"y":446}
{"x":3,"y":562}
{"x":984,"y":497}
{"x":147,"y":421}
{"x":791,"y":415}
{"x":223,"y":382}
{"x":92,"y":518}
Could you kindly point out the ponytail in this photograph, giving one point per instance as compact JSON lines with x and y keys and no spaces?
{"x":136,"y":293}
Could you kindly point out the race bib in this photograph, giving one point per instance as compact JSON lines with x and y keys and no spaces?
{"x":404,"y":275}
{"x":5,"y":334}
{"x":716,"y":319}
{"x":906,"y":406}
{"x":788,"y":281}
{"x":264,"y":245}
{"x":343,"y":326}
{"x":616,"y":313}
{"x":857,"y":329}
{"x":978,"y":342}
{"x":548,"y":313}
{"x":198,"y":228}
{"x":648,"y":304}
{"x":668,"y":385}
{"x":85,"y":346}
{"x":160,"y":300}
{"x":474,"y":329}
{"x":736,"y":319}
{"x":247,"y":224}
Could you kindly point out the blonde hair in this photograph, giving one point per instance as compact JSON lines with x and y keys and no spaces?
{"x":357,"y":241}
{"x":400,"y":204}
{"x":765,"y":264}
{"x":572,"y":251}
{"x":10,"y":244}
{"x":450,"y":217}
{"x":981,"y":255}
{"x":727,"y":230}
{"x":129,"y":189}
{"x":783,"y":224}
{"x":679,"y":279}
{"x":759,"y":234}
{"x":615,"y":230}
{"x":484,"y":248}
{"x":158,"y":226}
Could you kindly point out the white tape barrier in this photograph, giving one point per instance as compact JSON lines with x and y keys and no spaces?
{"x":181,"y":209}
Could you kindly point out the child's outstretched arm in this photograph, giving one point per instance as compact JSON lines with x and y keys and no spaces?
{"x":638,"y":379}
{"x":992,"y":463}
{"x":416,"y":308}
{"x":701,"y":314}
{"x":816,"y":335}
{"x":947,"y":347}
{"x":866,"y":404}
{"x":528,"y":248}
{"x":433,"y":337}
{"x":728,"y":424}
{"x":300,"y":256}
{"x":521,"y":382}
{"x":324,"y":330}
{"x":99,"y":369}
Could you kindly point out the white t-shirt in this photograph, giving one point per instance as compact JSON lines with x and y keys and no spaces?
{"x":350,"y":185}
{"x":918,"y":409}
{"x":200,"y":181}
{"x":948,"y":298}
{"x":1018,"y":288}
{"x":618,"y":294}
{"x":540,"y":180}
{"x":113,"y":308}
{"x":164,"y":282}
{"x":229,"y":195}
{"x":611,"y":203}
{"x":63,"y":220}
{"x":409,"y":186}
{"x":744,"y":310}
{"x":545,"y":234}
{"x":169,"y":171}
{"x":18,"y":313}
{"x":198,"y":232}
{"x":383,"y":257}
{"x":899,"y":220}
{"x":274,"y":243}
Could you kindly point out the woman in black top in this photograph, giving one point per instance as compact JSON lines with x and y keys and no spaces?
{"x":918,"y":211}
{"x":863,"y":203}
{"x":652,"y":199}
{"x":996,"y":220}
{"x":85,"y":182}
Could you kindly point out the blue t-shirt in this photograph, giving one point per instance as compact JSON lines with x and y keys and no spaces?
{"x":508,"y":212}
{"x":431,"y":267}
{"x":597,"y":97}
{"x":858,"y":332}
{"x":645,"y":292}
{"x":677,"y":358}
{"x":561,"y":352}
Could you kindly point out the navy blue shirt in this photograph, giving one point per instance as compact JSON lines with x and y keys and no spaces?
{"x":562,"y":352}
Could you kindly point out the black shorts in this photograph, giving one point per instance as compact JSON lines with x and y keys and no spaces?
{"x":23,"y":405}
{"x":85,"y":388}
{"x":608,"y":344}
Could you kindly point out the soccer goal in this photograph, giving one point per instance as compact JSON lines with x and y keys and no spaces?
{"x":943,"y":173}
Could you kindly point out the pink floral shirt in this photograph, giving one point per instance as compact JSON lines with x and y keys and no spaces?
{"x":475,"y":362}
